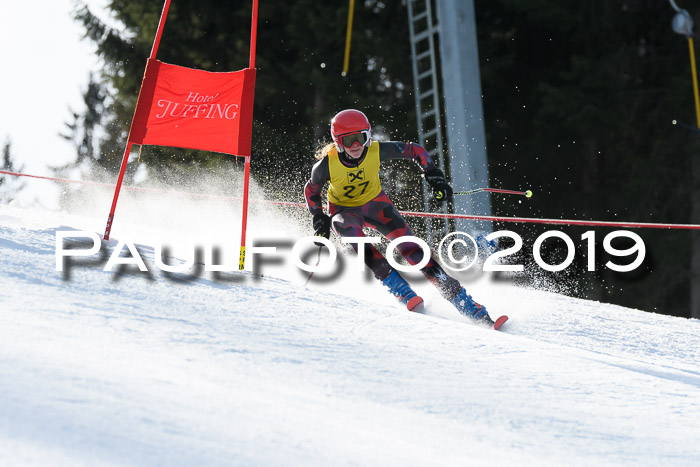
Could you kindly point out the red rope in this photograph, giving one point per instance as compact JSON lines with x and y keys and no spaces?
{"x":629,"y":225}
{"x":632,"y":225}
{"x":151,"y":190}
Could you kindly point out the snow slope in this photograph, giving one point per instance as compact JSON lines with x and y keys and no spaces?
{"x":101,"y":368}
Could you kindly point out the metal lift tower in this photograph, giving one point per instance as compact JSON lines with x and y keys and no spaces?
{"x":461,"y":88}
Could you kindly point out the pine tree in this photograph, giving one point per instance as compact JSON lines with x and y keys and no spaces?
{"x":83,"y":127}
{"x":9,"y":187}
{"x":579,"y":100}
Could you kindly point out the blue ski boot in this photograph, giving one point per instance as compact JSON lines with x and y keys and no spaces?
{"x":466,"y":305}
{"x":400,"y":289}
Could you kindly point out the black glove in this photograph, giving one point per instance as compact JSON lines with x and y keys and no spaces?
{"x":322,"y":226}
{"x":436,"y":179}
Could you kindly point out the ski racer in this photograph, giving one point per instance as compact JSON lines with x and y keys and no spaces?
{"x":356,"y":200}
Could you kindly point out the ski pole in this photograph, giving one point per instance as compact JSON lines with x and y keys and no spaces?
{"x":527,"y":194}
{"x":317,"y":263}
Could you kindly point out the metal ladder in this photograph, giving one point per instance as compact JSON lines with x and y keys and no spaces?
{"x":422,"y":31}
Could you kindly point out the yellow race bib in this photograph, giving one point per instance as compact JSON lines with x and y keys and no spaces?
{"x":354,"y":186}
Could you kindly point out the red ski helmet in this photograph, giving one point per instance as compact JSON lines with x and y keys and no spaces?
{"x":351,"y":127}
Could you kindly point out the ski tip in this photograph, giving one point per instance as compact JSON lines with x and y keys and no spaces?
{"x":415,"y":304}
{"x":500,"y":322}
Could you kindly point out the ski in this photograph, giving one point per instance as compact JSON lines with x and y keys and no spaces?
{"x":500,"y":321}
{"x":415,"y":304}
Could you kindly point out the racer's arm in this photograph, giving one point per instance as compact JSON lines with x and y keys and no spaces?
{"x":320,"y":174}
{"x":434,"y":176}
{"x":412,"y":151}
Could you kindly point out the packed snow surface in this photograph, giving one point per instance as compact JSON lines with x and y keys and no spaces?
{"x":254,"y":368}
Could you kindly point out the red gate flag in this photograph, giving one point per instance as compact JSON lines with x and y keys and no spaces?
{"x":195,"y":109}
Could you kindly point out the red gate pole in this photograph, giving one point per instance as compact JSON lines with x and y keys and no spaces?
{"x":127,"y":151}
{"x":244,"y":222}
{"x":246,"y":171}
{"x":253,"y":34}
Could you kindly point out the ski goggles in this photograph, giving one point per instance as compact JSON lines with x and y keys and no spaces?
{"x":361,"y":137}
